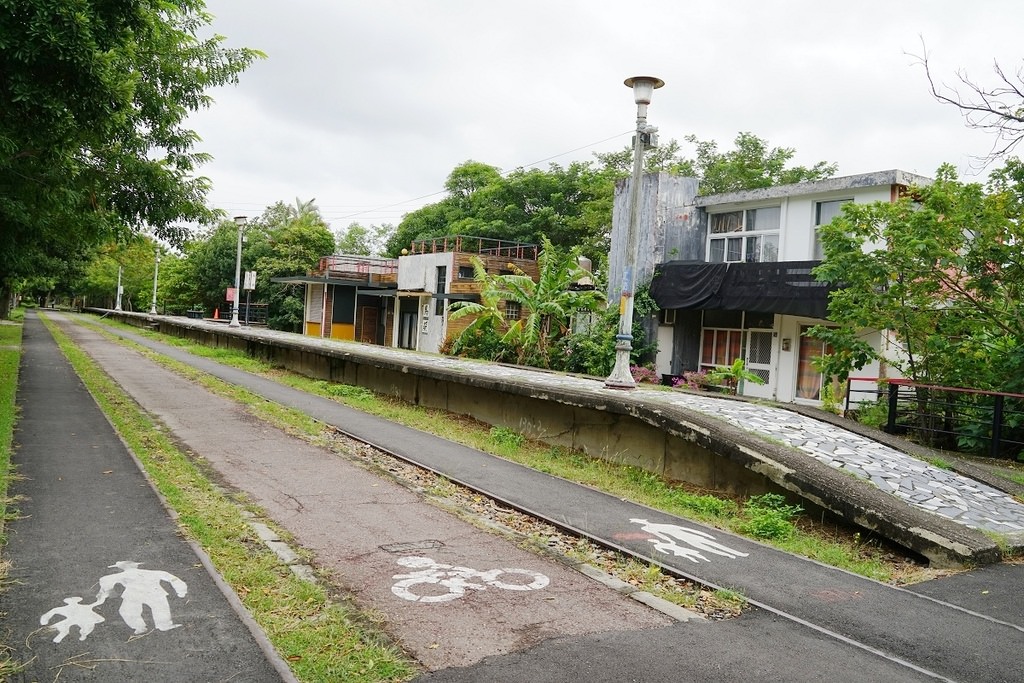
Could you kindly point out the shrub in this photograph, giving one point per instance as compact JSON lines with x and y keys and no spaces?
{"x":769,"y":517}
{"x":644,"y":375}
{"x":697,"y":380}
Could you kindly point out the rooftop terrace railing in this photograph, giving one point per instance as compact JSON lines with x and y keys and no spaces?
{"x":486,"y":246}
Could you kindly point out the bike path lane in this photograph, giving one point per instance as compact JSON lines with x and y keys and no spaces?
{"x":95,"y":554}
{"x":927,"y":635}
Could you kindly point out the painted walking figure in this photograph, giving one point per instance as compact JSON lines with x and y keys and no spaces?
{"x":142,"y":588}
{"x":669,"y":537}
{"x":75,"y":614}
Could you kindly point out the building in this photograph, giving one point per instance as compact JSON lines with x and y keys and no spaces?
{"x":405,"y":302}
{"x":731,"y":274}
{"x":435,"y":272}
{"x":350,"y":297}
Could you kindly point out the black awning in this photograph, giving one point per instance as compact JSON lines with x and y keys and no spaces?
{"x":785,"y":287}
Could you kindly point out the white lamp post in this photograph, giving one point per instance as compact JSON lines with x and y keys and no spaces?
{"x":120,"y":290}
{"x":240,"y":222}
{"x":621,"y":378}
{"x":156,"y":271}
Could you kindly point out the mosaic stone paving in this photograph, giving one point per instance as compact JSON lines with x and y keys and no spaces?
{"x":922,"y":485}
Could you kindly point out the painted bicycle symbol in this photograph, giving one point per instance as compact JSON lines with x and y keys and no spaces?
{"x":436,"y":582}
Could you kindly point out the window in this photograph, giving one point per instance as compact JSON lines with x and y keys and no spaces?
{"x":750,"y":236}
{"x":824,"y":212}
{"x":466,"y":273}
{"x":440,"y":288}
{"x":720,"y":348}
{"x":512,"y":310}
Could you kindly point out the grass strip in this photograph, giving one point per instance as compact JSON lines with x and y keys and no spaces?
{"x":10,"y":361}
{"x":321,"y":639}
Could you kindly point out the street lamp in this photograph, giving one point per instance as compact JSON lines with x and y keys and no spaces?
{"x":240,"y":222}
{"x":156,"y":271}
{"x":621,"y":378}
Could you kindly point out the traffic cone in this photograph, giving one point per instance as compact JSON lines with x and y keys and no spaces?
{"x":216,"y":314}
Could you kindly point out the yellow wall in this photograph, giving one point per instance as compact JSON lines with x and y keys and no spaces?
{"x":343,"y":331}
{"x":312,"y":329}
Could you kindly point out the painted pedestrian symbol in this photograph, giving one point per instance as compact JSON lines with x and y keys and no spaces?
{"x":140,"y":589}
{"x":457,"y":580}
{"x":74,"y":614}
{"x":669,"y":536}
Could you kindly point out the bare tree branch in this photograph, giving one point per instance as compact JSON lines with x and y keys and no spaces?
{"x":998,"y":109}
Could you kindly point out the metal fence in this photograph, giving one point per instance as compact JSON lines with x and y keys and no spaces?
{"x":952,"y":418}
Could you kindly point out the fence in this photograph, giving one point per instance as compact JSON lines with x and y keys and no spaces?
{"x":968,"y":420}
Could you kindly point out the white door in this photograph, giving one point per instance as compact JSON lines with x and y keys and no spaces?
{"x":760,"y":360}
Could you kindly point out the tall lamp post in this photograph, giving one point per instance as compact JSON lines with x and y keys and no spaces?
{"x":621,"y":378}
{"x":240,"y":222}
{"x":156,"y":271}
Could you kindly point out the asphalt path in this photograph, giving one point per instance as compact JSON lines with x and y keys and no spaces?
{"x":816,"y":622}
{"x":101,"y":586}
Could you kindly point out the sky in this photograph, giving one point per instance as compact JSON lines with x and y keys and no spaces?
{"x":366,"y":106}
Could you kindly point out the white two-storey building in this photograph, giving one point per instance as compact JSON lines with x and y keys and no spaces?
{"x":731,"y":274}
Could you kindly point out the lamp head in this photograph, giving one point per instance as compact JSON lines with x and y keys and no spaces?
{"x":643,"y":87}
{"x":240,"y":221}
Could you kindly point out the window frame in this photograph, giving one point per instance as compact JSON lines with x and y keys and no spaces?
{"x":731,"y":242}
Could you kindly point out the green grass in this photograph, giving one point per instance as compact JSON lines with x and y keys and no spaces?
{"x":320,"y":638}
{"x":805,"y":538}
{"x":10,"y":357}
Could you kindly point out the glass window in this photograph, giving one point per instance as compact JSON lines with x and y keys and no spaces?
{"x":760,"y":247}
{"x":720,"y":348}
{"x":512,"y":310}
{"x":440,"y":288}
{"x":726,"y":222}
{"x":824,"y":212}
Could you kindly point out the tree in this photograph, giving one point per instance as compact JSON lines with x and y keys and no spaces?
{"x":362,"y":241}
{"x":751,"y":165}
{"x":996,"y":109}
{"x":292,"y":247}
{"x":522,"y":206}
{"x":92,"y":138}
{"x":135,"y":259}
{"x":945,"y":275}
{"x":547,"y":304}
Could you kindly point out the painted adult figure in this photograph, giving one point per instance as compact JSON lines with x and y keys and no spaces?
{"x":142,"y":588}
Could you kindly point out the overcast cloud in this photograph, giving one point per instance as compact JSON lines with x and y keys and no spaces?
{"x":367,"y":105}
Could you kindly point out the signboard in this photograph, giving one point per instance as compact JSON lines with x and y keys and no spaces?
{"x":231,"y":293}
{"x":250,"y":280}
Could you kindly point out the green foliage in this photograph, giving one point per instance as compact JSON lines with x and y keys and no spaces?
{"x":349,"y":391}
{"x":732,"y":376}
{"x":873,"y":414}
{"x":752,"y":164}
{"x":547,"y":304}
{"x":362,"y":241}
{"x":769,"y":517}
{"x":944,"y":272}
{"x":507,"y":439}
{"x":93,"y":143}
{"x":570,"y":206}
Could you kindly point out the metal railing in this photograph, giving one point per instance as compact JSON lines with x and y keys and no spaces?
{"x":953,"y":418}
